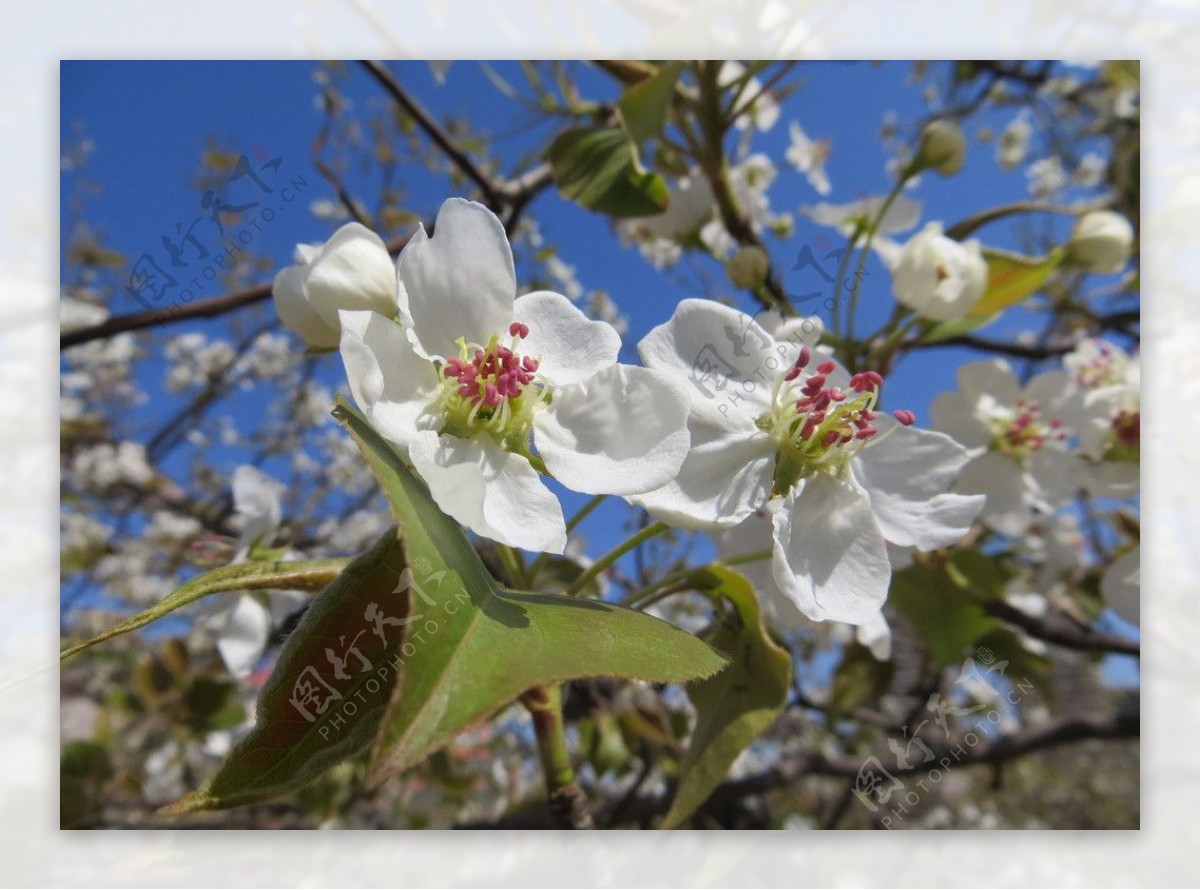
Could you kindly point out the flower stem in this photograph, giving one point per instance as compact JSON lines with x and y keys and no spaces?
{"x":514,"y":566}
{"x":644,"y":597}
{"x":617,"y":552}
{"x":568,"y":804}
{"x":865,"y":252}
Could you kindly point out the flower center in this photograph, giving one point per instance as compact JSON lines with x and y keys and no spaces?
{"x":818,"y":427}
{"x":492,"y":388}
{"x":1021,"y":432}
{"x":1126,"y":439}
{"x":1096,"y":366}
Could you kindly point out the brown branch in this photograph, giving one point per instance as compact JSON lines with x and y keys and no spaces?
{"x":492,"y":191}
{"x":1052,"y":734}
{"x":1059,"y":629}
{"x":1118,"y":321}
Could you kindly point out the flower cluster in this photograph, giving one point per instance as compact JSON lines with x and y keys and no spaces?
{"x":488,"y":391}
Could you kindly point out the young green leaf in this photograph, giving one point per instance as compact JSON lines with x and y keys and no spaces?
{"x":329,"y":688}
{"x":644,"y":105}
{"x":479,"y":646}
{"x":311,"y":574}
{"x":737,"y":705}
{"x":598,"y":168}
{"x":939,"y":610}
{"x":1012,"y":278}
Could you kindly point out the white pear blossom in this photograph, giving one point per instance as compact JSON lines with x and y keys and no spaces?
{"x":1101,"y":241}
{"x":1055,"y":546}
{"x":938,"y":277}
{"x":1021,"y":457}
{"x":478,"y":375}
{"x":808,"y":156}
{"x":1110,"y":425}
{"x":1013,"y":144}
{"x":1046,"y":176}
{"x":749,"y":181}
{"x":243,"y":624}
{"x":765,"y":426}
{"x":753,"y":535}
{"x":942,"y":148}
{"x":763,"y":110}
{"x":352,"y":270}
{"x":903,"y":214}
{"x":1089,"y":172}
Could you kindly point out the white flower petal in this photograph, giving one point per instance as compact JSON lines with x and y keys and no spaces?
{"x":953,"y":415}
{"x":352,"y":270}
{"x":622,"y":431}
{"x":1058,"y":475}
{"x":282,"y":604}
{"x":1112,"y":479}
{"x":1054,"y":392}
{"x":876,"y":635}
{"x":830,"y":557}
{"x":243,"y":634}
{"x":754,"y":535}
{"x":568,"y":345}
{"x":991,"y":379}
{"x":1002,"y":481}
{"x":390,"y":383}
{"x":493,"y":492}
{"x":724,"y":478}
{"x":723,"y":355}
{"x":907,"y":477}
{"x":296,"y":313}
{"x":460,"y":282}
{"x":256,"y":498}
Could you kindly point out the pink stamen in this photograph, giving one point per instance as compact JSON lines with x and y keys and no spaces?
{"x":904,"y":416}
{"x":518,"y":330}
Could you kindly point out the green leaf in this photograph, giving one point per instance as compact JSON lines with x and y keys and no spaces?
{"x":644,"y":105}
{"x":957,"y":327}
{"x":478,"y":645}
{"x":1012,"y":278}
{"x":1001,"y":645}
{"x":737,"y":705}
{"x":859,"y":678}
{"x":311,"y":574}
{"x":940,"y":611}
{"x":308,"y":718}
{"x":598,"y":168}
{"x":978,"y":573}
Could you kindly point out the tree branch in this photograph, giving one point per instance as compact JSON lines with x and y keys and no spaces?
{"x":1051,"y":734}
{"x":492,"y":191}
{"x":1059,"y":629}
